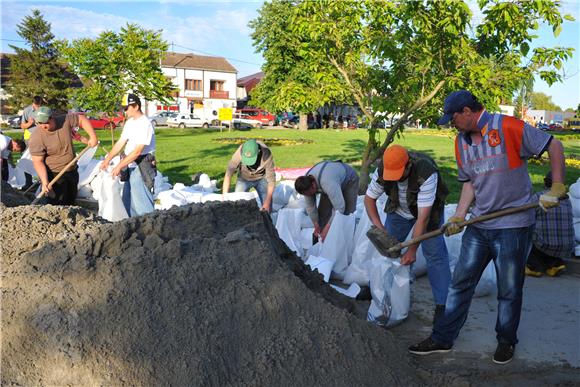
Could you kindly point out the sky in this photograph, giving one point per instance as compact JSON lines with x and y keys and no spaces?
{"x":220,"y":28}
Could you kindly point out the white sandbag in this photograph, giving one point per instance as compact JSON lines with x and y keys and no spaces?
{"x":390,"y":290}
{"x":205,"y":184}
{"x":25,"y":163}
{"x":167,"y":199}
{"x":352,"y":291}
{"x":576,"y":229}
{"x":161,"y":184}
{"x":419,"y":267}
{"x":363,"y":252}
{"x":288,"y":227}
{"x":322,"y":265}
{"x":110,"y":203}
{"x":575,"y":207}
{"x":488,"y":282}
{"x":16,"y":177}
{"x":305,"y":221}
{"x":85,"y":192}
{"x":339,"y":243}
{"x":96,"y":184}
{"x":212,"y":197}
{"x":88,"y":172}
{"x":282,"y":194}
{"x":574,"y":190}
{"x":306,"y":237}
{"x":296,"y":201}
{"x":86,"y":158}
{"x":235,"y":196}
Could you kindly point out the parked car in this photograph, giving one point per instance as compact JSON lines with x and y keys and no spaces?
{"x":14,"y":122}
{"x":556,"y":126}
{"x":103,"y":122}
{"x":543,"y":126}
{"x":160,"y":118}
{"x":263,"y":116}
{"x":294,"y":122}
{"x":242,"y":122}
{"x":187,"y":120}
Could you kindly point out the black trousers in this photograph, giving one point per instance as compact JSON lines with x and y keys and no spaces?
{"x":4,"y":170}
{"x":64,"y":191}
{"x":540,"y":261}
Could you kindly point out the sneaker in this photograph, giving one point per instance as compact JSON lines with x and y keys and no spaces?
{"x":439,"y":311}
{"x":503,"y":354}
{"x":533,"y":272}
{"x":555,"y":270}
{"x":427,"y":347}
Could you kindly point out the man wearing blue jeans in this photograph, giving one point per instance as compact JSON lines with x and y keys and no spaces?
{"x":491,"y":152}
{"x":416,"y":197}
{"x":254,"y":163}
{"x":138,"y":141}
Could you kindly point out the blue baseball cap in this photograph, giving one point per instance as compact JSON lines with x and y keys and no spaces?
{"x":455,"y":102}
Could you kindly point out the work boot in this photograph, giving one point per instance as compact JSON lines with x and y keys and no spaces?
{"x":533,"y":272}
{"x":555,"y":270}
{"x":427,"y":347}
{"x":439,"y":311}
{"x":503,"y":354}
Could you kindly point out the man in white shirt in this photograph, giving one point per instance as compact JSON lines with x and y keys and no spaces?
{"x":416,"y":200}
{"x":137,"y":168}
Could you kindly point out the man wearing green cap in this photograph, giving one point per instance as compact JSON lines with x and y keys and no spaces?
{"x":255,"y":165}
{"x":52,"y":149}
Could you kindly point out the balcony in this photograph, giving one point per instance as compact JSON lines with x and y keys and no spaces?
{"x":219,"y":94}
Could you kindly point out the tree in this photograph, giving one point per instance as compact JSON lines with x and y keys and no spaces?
{"x":40,"y":69}
{"x":541,"y":101}
{"x":404,"y":57}
{"x":116,"y":63}
{"x":523,"y":99}
{"x":294,"y":80}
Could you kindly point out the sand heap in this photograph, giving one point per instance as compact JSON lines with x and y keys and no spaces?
{"x":12,"y":198}
{"x":197,"y":295}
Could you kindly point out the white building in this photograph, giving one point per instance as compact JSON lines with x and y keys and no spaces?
{"x":205,"y":84}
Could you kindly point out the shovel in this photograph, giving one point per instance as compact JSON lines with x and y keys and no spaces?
{"x":384,"y":242}
{"x":70,"y":164}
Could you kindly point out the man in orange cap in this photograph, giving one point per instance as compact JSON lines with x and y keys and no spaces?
{"x":416,"y":197}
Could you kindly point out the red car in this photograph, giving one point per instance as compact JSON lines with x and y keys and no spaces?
{"x":104,"y":123}
{"x":258,"y":114}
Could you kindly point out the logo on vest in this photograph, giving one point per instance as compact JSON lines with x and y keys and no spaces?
{"x":493,"y":138}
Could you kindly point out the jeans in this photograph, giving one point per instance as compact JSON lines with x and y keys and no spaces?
{"x":435,"y":252}
{"x":509,"y":249}
{"x":261,"y":187}
{"x":137,"y":199}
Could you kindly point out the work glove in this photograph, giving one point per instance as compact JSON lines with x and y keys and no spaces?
{"x":452,"y":226}
{"x":551,"y":198}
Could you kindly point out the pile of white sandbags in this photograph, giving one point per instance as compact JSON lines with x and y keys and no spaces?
{"x":574,"y":195}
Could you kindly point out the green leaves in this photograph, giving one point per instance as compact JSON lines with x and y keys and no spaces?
{"x":115,"y":63}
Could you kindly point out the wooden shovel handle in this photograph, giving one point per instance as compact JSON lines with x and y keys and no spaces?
{"x":493,"y":215}
{"x":59,"y":175}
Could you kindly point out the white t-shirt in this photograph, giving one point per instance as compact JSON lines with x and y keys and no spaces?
{"x":4,"y":143}
{"x":425,"y":197}
{"x":138,"y":132}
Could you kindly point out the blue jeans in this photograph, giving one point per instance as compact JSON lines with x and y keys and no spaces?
{"x":137,"y":199}
{"x":261,"y":187}
{"x":509,"y":249}
{"x":435,"y":252}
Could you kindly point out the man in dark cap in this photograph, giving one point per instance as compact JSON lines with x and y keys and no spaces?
{"x":254,"y":163}
{"x":491,"y":152}
{"x":138,"y":164}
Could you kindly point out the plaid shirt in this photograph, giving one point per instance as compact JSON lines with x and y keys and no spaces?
{"x":554,"y":232}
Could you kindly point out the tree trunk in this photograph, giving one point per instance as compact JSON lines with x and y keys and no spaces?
{"x":303,"y":124}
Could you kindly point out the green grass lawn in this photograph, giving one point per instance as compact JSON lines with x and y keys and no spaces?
{"x":183,"y":152}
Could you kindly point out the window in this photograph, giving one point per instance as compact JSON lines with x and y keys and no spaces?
{"x":193,"y":84}
{"x":216,"y":85}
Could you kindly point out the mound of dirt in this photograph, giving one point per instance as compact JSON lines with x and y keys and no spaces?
{"x":12,"y":198}
{"x":197,"y":295}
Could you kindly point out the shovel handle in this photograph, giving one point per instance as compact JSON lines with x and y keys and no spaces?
{"x":71,"y":163}
{"x":439,"y":231}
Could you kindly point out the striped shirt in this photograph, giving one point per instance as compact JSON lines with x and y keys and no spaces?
{"x":425,"y":197}
{"x":554,"y":231}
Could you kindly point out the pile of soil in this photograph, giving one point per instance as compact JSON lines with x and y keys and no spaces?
{"x":197,"y":295}
{"x":12,"y":198}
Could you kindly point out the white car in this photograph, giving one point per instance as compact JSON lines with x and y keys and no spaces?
{"x":160,"y":119}
{"x":187,"y":120}
{"x":243,"y":123}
